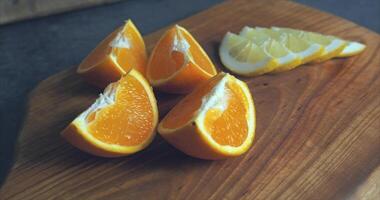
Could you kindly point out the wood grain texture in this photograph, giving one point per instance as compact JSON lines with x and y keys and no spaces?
{"x":15,"y":10}
{"x":317,"y":137}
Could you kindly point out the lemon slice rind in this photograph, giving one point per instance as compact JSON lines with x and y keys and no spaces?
{"x":351,"y":49}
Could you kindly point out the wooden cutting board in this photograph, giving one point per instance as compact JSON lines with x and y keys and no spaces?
{"x":318,"y":127}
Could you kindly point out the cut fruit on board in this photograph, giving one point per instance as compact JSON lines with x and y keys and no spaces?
{"x":215,"y":121}
{"x":118,"y":53}
{"x":244,"y":57}
{"x":316,"y":137}
{"x":329,"y":43}
{"x":122,"y":120}
{"x":178,"y":63}
{"x":306,"y":51}
{"x":352,"y":49}
{"x":274,"y":46}
{"x":332,"y":46}
{"x":279,"y":49}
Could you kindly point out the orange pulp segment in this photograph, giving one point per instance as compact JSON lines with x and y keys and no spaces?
{"x":122,"y":121}
{"x":216,"y":120}
{"x":178,"y":63}
{"x":119,"y":52}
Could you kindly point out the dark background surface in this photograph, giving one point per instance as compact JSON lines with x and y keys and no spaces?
{"x":32,"y":50}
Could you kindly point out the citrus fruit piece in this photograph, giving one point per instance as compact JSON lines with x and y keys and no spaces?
{"x":244,"y":57}
{"x":215,"y":121}
{"x":119,"y":52}
{"x":285,"y":59}
{"x":305,"y":50}
{"x":122,"y":120}
{"x":332,"y":46}
{"x":259,"y":50}
{"x":351,"y":49}
{"x":178,"y":63}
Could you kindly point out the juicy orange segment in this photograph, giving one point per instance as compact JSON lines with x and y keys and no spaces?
{"x":119,"y":52}
{"x":178,"y":63}
{"x":216,"y":120}
{"x":229,"y":127}
{"x":121,"y":121}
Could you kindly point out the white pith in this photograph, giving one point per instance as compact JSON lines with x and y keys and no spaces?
{"x":120,"y":41}
{"x":335,"y":43}
{"x":216,"y":99}
{"x":104,"y":100}
{"x":181,"y":45}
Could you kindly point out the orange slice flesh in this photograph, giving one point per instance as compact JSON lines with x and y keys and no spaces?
{"x":215,"y":121}
{"x":178,"y":63}
{"x":122,"y":121}
{"x":119,"y":52}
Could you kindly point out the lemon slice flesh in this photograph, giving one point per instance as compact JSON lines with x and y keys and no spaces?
{"x":284,"y":58}
{"x":304,"y":50}
{"x":307,"y":50}
{"x":244,"y":57}
{"x":332,"y":46}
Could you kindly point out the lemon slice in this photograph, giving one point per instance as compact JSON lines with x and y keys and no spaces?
{"x":260,"y":50}
{"x":351,"y":49}
{"x":255,"y":35}
{"x":305,"y":50}
{"x":332,"y":46}
{"x":244,"y":57}
{"x":285,"y":59}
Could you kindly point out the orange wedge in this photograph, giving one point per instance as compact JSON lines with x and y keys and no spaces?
{"x":215,"y":121}
{"x":178,"y":63}
{"x":122,"y":120}
{"x":119,"y":52}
